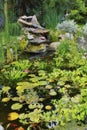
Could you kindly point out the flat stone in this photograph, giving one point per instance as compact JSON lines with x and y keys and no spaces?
{"x":38,"y":40}
{"x":30,"y":21}
{"x":36,"y":49}
{"x":37,"y":30}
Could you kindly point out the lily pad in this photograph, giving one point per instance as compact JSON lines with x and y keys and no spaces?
{"x":5,"y":89}
{"x":35,"y":115}
{"x":16,"y":106}
{"x":35,"y":105}
{"x":6,"y":99}
{"x":13,"y":116}
{"x":48,"y":107}
{"x":52,"y":92}
{"x":15,"y":98}
{"x":49,"y":87}
{"x":60,"y":83}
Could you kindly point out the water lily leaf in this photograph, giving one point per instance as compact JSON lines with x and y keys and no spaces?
{"x":16,"y":106}
{"x":22,"y":116}
{"x":24,"y":85}
{"x":67,"y":86}
{"x":35,"y":105}
{"x":52,"y":92}
{"x":60,"y":83}
{"x":41,"y":73}
{"x":13,"y":116}
{"x":41,"y":99}
{"x":48,"y":107}
{"x":5,"y":99}
{"x":35,"y":115}
{"x":15,"y":98}
{"x":50,"y":80}
{"x":31,"y":75}
{"x":32,"y":106}
{"x":49,"y":87}
{"x":43,"y":83}
{"x":34,"y":79}
{"x":5,"y":89}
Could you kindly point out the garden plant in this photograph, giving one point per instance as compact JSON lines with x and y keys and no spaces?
{"x":46,"y":92}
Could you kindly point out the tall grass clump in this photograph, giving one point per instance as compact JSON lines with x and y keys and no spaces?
{"x":52,"y":18}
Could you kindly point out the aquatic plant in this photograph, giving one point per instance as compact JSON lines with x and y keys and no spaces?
{"x":15,"y":71}
{"x":13,"y":116}
{"x":16,"y":106}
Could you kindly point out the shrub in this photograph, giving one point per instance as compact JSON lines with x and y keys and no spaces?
{"x":68,"y":26}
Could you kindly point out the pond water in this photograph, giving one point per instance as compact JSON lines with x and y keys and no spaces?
{"x":5,"y":109}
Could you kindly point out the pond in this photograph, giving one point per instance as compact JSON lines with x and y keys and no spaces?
{"x":16,"y":125}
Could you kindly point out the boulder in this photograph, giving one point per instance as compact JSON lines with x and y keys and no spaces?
{"x":53,"y":46}
{"x":38,"y":40}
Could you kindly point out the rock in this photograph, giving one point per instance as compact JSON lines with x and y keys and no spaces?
{"x":37,"y":36}
{"x":30,"y":36}
{"x":66,"y":36}
{"x":82,"y":43}
{"x":35,"y":22}
{"x":30,"y":21}
{"x":37,"y":30}
{"x":36,"y":49}
{"x":53,"y":46}
{"x":38,"y":40}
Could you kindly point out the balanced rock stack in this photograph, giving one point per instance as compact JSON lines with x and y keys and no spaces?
{"x":37,"y":35}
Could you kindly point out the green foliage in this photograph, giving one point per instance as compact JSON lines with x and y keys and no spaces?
{"x":54,"y":35}
{"x":51,"y":19}
{"x":14,"y":29}
{"x":78,"y":11}
{"x":15,"y":71}
{"x":68,"y":56}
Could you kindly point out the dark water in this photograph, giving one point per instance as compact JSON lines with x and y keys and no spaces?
{"x":5,"y":109}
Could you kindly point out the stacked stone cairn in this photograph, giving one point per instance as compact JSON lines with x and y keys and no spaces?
{"x":38,"y":36}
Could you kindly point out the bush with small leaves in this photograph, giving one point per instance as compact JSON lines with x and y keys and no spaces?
{"x":69,"y":26}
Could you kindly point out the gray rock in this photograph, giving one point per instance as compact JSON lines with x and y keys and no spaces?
{"x":30,"y":36}
{"x":82,"y":43}
{"x":66,"y":36}
{"x":38,"y":40}
{"x":53,"y":46}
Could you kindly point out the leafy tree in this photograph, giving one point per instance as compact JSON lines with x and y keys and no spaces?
{"x":78,"y":10}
